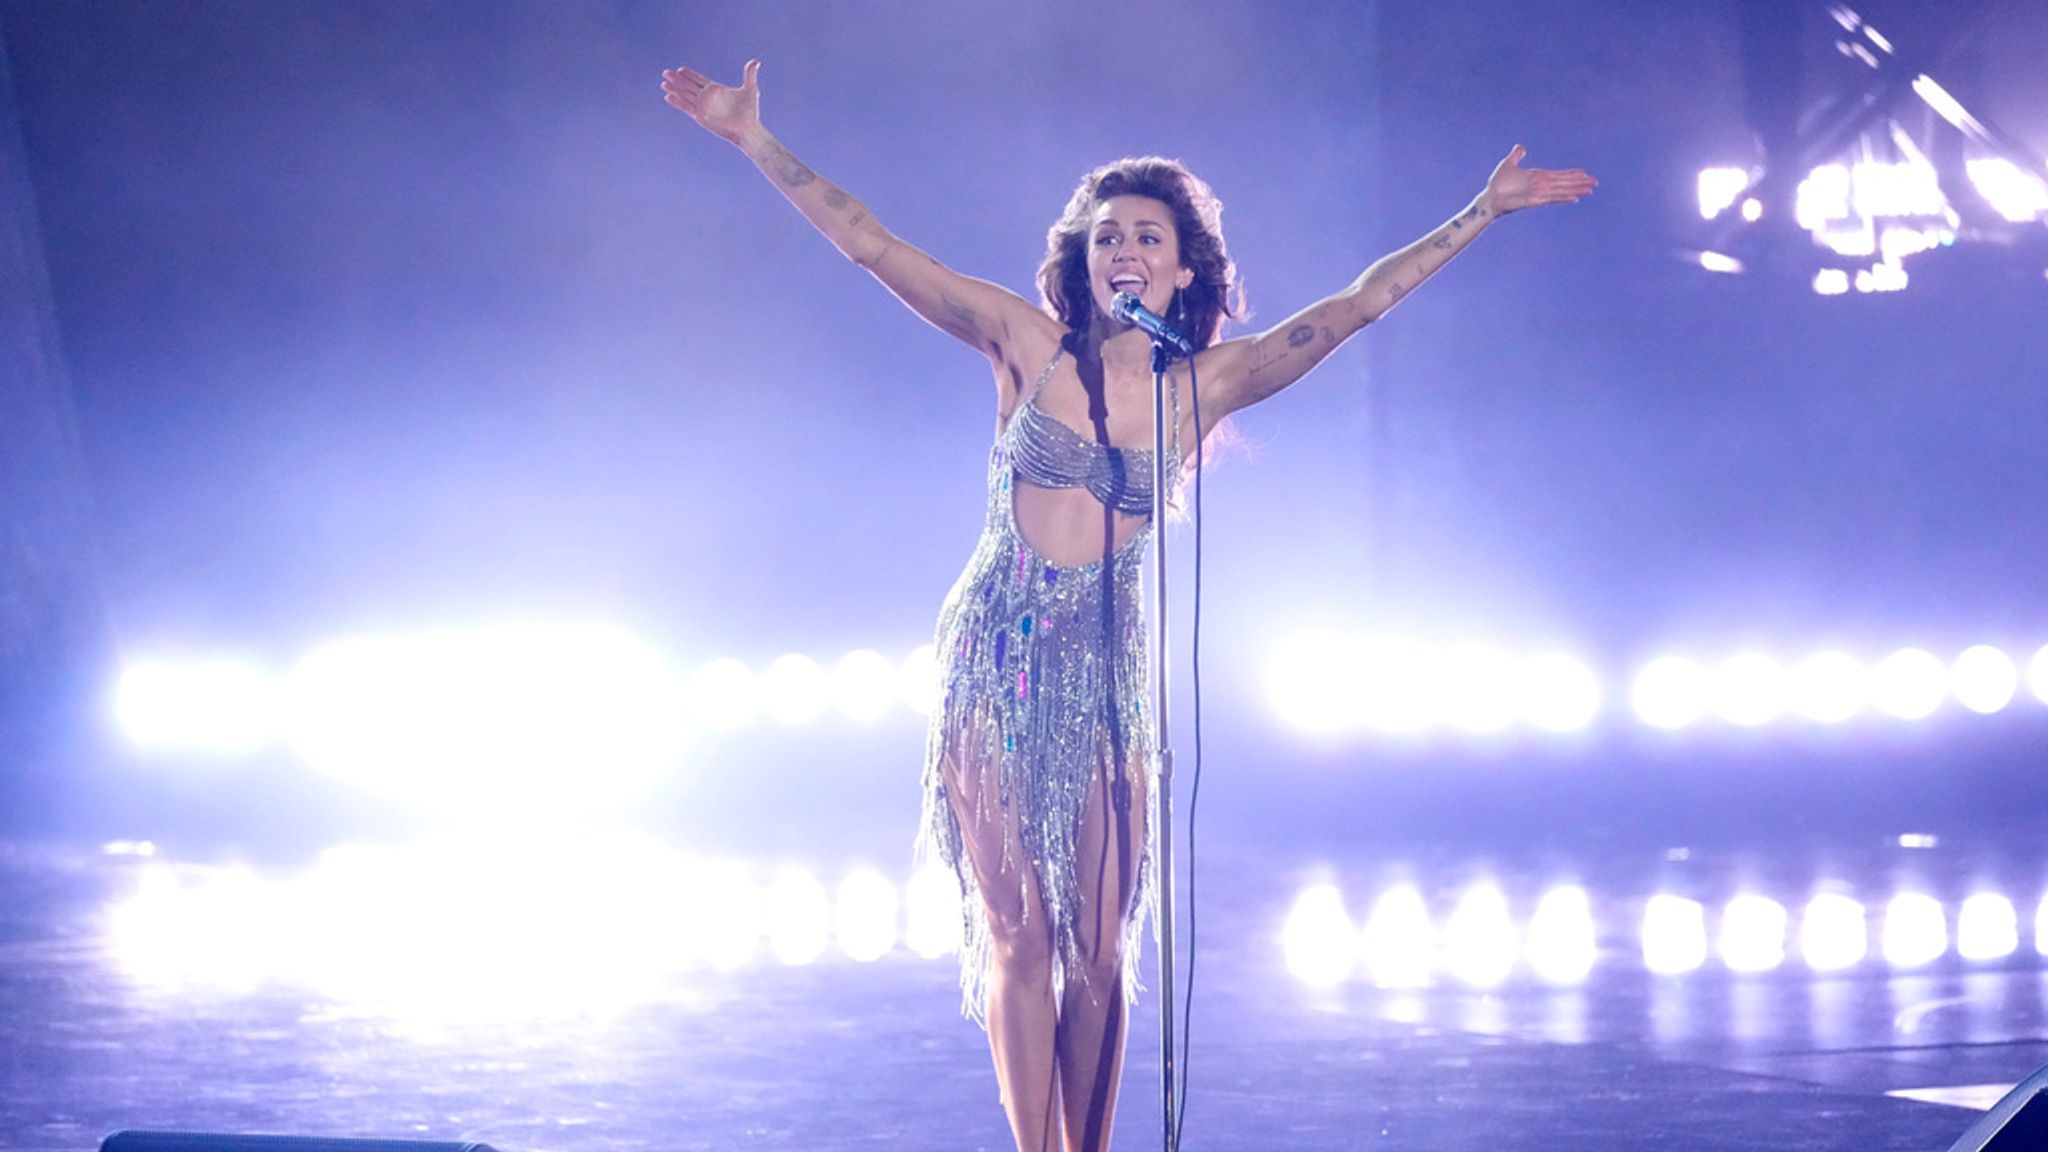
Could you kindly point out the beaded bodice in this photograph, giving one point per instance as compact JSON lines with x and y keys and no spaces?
{"x":1047,"y":452}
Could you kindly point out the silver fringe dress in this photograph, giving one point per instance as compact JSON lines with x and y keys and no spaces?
{"x":1042,"y":674}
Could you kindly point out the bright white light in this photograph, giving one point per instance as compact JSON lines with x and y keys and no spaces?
{"x":1823,"y":197}
{"x":1718,"y":189}
{"x":1314,"y":682}
{"x":1562,"y":942}
{"x":1753,"y":934}
{"x":1881,"y":278}
{"x":1674,"y":935}
{"x":920,"y":680}
{"x":1752,"y":209}
{"x":1915,"y":930}
{"x":1947,"y":106}
{"x":799,"y":917}
{"x":1908,"y":188}
{"x":1479,"y":939}
{"x":2037,"y":674}
{"x":866,"y":918}
{"x":2041,"y":926}
{"x":209,"y":933}
{"x":1984,"y":679}
{"x":1987,"y":928}
{"x":1670,"y":692}
{"x":1317,"y":938}
{"x":726,"y":911}
{"x":2015,"y":193}
{"x":864,"y":684}
{"x":933,"y":922}
{"x":1831,"y":281}
{"x":1398,"y":942}
{"x":517,"y":717}
{"x":724,"y":694}
{"x":1829,"y":687}
{"x":1749,"y":689}
{"x":794,"y":689}
{"x":1720,"y":262}
{"x":1399,"y":686}
{"x":1909,"y":684}
{"x":216,"y":706}
{"x":1558,"y":693}
{"x":1479,"y":688}
{"x":1834,"y":933}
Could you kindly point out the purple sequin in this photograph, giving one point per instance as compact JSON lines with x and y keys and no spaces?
{"x":1002,"y":647}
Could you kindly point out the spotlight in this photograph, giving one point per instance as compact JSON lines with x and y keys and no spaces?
{"x":1984,"y":679}
{"x":799,"y":917}
{"x":1562,"y":942}
{"x":933,"y":899}
{"x":724,"y":694}
{"x":1749,"y":690}
{"x":1558,"y":693}
{"x":1718,"y":188}
{"x":1478,"y":684}
{"x":215,"y":706}
{"x":920,"y":680}
{"x":1479,"y":940}
{"x":864,"y":684}
{"x":1318,"y":939}
{"x":866,"y":918}
{"x":1987,"y":928}
{"x":1314,"y":683}
{"x":794,"y":689}
{"x":1833,"y":934}
{"x":1398,"y":943}
{"x":1674,"y":935}
{"x":1915,"y":930}
{"x":2037,"y":674}
{"x":1671,"y":692}
{"x":1829,"y":687}
{"x":1909,"y":684}
{"x":1753,"y":934}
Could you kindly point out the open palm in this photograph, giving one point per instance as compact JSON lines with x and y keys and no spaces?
{"x":1513,"y":187}
{"x":722,"y":110}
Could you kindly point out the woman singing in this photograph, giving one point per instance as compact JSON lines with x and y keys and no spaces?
{"x":1036,"y":780}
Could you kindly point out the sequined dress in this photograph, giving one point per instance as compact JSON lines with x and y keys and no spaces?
{"x":1042,"y":672}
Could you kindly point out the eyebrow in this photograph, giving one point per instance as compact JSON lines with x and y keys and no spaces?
{"x":1147,"y":222}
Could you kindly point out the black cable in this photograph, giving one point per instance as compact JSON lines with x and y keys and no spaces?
{"x":1187,"y":1004}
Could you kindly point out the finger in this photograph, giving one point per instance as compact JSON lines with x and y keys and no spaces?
{"x":753,"y":71}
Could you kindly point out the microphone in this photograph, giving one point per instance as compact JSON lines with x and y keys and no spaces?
{"x":1125,"y":307}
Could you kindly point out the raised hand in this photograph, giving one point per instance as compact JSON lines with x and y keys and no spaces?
{"x":1512,"y":187}
{"x":723,"y":111}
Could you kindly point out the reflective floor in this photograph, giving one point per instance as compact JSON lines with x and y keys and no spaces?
{"x":613,"y":992}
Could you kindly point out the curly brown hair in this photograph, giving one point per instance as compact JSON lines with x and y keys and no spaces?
{"x":1212,"y":297}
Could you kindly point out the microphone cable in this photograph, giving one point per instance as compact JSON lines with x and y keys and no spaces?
{"x":1187,"y":1004}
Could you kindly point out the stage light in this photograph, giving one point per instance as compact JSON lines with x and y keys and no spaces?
{"x":219,"y":706}
{"x":1479,"y":939}
{"x":2037,"y":674}
{"x":1984,"y":679}
{"x":1749,"y":690}
{"x":1946,"y":106}
{"x":516,"y":718}
{"x":1908,"y":188}
{"x":864,"y":685}
{"x":1831,"y":282}
{"x":724,"y":694}
{"x":1987,"y":928}
{"x":1829,"y":687}
{"x":1834,"y":933}
{"x":1718,"y":188}
{"x":1315,"y":683}
{"x":1752,"y":209}
{"x":2016,"y":194}
{"x":866,"y":918}
{"x":799,"y":917}
{"x":1562,"y":943}
{"x":1915,"y":930}
{"x":920,"y":680}
{"x":1909,"y":684}
{"x":1671,"y":692}
{"x":1753,"y":934}
{"x":1720,"y":262}
{"x":794,"y":689}
{"x":728,"y":913}
{"x":933,"y":922}
{"x":1822,"y":198}
{"x":1558,"y":693}
{"x":1398,"y":943}
{"x":1479,"y":689}
{"x":1674,"y":935}
{"x":1317,"y":939}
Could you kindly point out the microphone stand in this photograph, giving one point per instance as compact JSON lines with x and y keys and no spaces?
{"x":1162,"y":751}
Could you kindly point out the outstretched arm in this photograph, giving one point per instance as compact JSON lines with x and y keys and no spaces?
{"x":1248,"y":370}
{"x":975,"y":311}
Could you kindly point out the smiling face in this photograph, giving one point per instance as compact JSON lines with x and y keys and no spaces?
{"x":1133,"y":247}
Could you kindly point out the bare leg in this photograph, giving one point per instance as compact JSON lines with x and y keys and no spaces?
{"x":1022,"y":1017}
{"x":1093,"y":1016}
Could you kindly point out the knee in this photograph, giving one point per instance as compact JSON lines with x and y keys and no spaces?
{"x":1020,"y":943}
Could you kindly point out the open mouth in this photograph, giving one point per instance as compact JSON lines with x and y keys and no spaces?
{"x":1127,"y":284}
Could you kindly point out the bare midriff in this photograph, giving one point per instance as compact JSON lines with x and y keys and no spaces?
{"x":1069,"y":526}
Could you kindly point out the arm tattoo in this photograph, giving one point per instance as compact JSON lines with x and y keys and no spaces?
{"x":960,"y":312}
{"x":836,"y":199}
{"x":857,"y":218}
{"x":1397,"y":291}
{"x":1443,"y":241}
{"x":1300,"y":334}
{"x":786,"y":167}
{"x":1330,"y":337}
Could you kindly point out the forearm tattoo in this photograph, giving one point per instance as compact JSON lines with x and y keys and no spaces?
{"x":1300,"y":334}
{"x":785,"y":167}
{"x":1441,"y":242}
{"x":836,"y":199}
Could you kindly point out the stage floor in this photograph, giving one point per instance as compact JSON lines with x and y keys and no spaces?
{"x":753,"y":1052}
